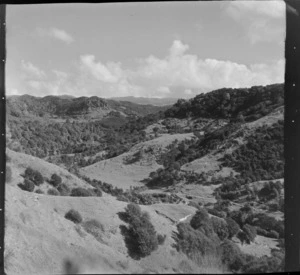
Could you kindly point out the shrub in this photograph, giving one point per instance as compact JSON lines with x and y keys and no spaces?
{"x":33,"y":175}
{"x":73,"y":216}
{"x":55,"y":180}
{"x":98,"y":191}
{"x":8,"y":174}
{"x":81,"y":192}
{"x":143,"y":236}
{"x":233,"y":227}
{"x":231,"y":255}
{"x":63,"y":189}
{"x":161,"y":239}
{"x":28,"y":172}
{"x":142,"y":233}
{"x":28,"y":185}
{"x":191,"y":242}
{"x":200,"y":218}
{"x":39,"y":191}
{"x":220,"y":227}
{"x":94,"y":228}
{"x":53,"y":192}
{"x":133,"y":210}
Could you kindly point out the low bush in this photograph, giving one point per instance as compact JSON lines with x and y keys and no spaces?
{"x":34,"y":176}
{"x":200,"y":218}
{"x":220,"y":227}
{"x":191,"y":242}
{"x":53,"y":192}
{"x":55,"y":180}
{"x":28,"y":185}
{"x":63,"y":189}
{"x":81,"y":192}
{"x":250,"y":232}
{"x":231,"y":255}
{"x":39,"y":191}
{"x":73,"y":216}
{"x":233,"y":227}
{"x":161,"y":239}
{"x":94,"y":228}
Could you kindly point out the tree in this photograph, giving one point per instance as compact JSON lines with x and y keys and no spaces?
{"x":55,"y":180}
{"x":233,"y":227}
{"x":200,"y":218}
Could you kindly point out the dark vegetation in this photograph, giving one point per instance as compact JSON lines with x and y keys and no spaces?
{"x":236,"y":104}
{"x":133,"y":195}
{"x":140,"y":236}
{"x":261,"y":158}
{"x":205,"y":236}
{"x":73,"y":216}
{"x":34,"y":176}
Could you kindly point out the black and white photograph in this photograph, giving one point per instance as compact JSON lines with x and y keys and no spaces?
{"x":145,"y":138}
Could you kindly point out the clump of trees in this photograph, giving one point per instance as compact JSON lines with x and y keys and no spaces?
{"x":206,"y":235}
{"x":34,"y":176}
{"x":143,"y":236}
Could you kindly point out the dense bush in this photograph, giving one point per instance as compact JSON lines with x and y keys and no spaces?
{"x":55,"y":180}
{"x":53,"y":192}
{"x":233,"y":228}
{"x":34,"y":176}
{"x":231,"y":255}
{"x":81,"y":192}
{"x":144,"y":238}
{"x":250,"y":232}
{"x":39,"y":191}
{"x":192,"y":242}
{"x":28,"y":185}
{"x":239,"y":104}
{"x":63,"y":189}
{"x":220,"y":227}
{"x":260,"y":158}
{"x":73,"y":216}
{"x":200,"y":218}
{"x":264,"y":264}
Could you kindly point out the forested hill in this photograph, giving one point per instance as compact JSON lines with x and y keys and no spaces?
{"x":246,"y":103}
{"x":63,"y":107}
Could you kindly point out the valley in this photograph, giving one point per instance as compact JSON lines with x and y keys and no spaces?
{"x":208,"y":171}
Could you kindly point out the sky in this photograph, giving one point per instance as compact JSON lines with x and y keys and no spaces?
{"x":156,"y":49}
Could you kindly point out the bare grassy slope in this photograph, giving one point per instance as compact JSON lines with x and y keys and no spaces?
{"x":130,"y":168}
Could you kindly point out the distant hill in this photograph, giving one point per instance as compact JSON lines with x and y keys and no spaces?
{"x":246,"y":103}
{"x":145,"y":100}
{"x":66,"y":106}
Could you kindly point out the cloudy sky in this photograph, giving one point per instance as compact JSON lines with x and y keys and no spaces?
{"x":169,"y":49}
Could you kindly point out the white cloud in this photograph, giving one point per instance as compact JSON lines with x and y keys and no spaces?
{"x":273,"y":9}
{"x":263,"y":21}
{"x":110,"y":72}
{"x":31,"y":71}
{"x":55,"y":33}
{"x":178,"y":74}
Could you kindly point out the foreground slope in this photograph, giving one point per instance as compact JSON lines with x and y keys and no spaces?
{"x":39,"y":239}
